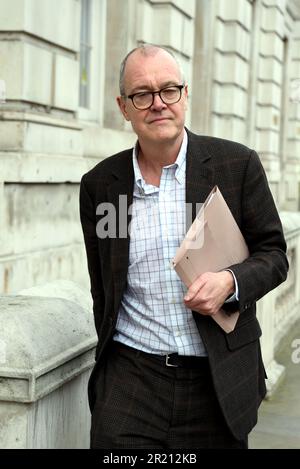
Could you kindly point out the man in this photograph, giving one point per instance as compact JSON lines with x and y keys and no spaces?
{"x":166,"y":375}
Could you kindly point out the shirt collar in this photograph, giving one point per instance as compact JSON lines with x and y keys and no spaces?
{"x":180,"y":163}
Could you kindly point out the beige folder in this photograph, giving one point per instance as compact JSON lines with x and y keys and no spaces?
{"x":213,"y":243}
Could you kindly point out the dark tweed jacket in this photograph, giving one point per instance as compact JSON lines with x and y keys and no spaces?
{"x":235,"y":359}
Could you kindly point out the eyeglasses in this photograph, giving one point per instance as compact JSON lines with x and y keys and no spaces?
{"x":145,"y":99}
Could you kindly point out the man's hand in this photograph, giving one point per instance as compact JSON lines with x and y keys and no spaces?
{"x":209,"y":291}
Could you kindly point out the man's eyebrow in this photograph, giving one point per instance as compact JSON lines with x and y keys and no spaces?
{"x":142,"y":88}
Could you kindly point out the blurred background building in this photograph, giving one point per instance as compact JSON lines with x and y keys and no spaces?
{"x":59,"y":71}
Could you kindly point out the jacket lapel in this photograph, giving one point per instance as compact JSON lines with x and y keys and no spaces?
{"x":199,"y":174}
{"x":120,"y":194}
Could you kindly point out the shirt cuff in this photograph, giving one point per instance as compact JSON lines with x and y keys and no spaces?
{"x":235,"y":296}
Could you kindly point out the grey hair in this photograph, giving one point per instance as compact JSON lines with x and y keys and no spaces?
{"x":146,"y":49}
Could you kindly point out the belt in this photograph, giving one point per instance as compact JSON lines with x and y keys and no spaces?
{"x":170,"y":359}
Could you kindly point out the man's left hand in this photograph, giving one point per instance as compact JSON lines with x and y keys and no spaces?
{"x":209,"y":291}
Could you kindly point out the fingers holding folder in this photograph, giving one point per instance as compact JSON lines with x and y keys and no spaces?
{"x":208,"y":292}
{"x":213,"y":243}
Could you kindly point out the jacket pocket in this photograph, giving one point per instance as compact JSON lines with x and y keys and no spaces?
{"x":243,"y":335}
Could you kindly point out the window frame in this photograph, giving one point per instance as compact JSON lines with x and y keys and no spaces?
{"x":97,"y":64}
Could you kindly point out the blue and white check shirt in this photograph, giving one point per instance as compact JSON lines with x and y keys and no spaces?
{"x":152,"y":315}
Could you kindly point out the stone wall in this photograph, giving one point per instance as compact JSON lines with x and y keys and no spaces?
{"x":45,"y":144}
{"x":247,"y":63}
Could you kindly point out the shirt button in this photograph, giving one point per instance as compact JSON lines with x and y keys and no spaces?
{"x":177,"y":333}
{"x":173,"y":301}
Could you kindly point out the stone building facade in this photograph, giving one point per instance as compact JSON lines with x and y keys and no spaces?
{"x":241,"y":59}
{"x":59,"y":67}
{"x":59,"y":63}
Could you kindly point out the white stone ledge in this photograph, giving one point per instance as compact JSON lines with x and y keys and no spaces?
{"x":229,"y":127}
{"x":231,"y":37}
{"x":40,"y":119}
{"x":21,"y":386}
{"x":235,"y":10}
{"x":294,"y":111}
{"x":269,"y":93}
{"x":36,"y":137}
{"x":40,"y":18}
{"x":296,"y":32}
{"x":295,"y":47}
{"x":271,"y":45}
{"x":293,"y":149}
{"x":267,"y":106}
{"x":43,"y":266}
{"x":279,"y":4}
{"x":268,"y":118}
{"x":270,"y":70}
{"x":186,"y":7}
{"x":231,"y":69}
{"x":101,"y":142}
{"x":168,"y":27}
{"x":26,"y":167}
{"x":294,"y":130}
{"x":267,"y":141}
{"x":49,"y":85}
{"x":229,"y":99}
{"x":45,"y":341}
{"x":272,"y":20}
{"x":65,"y":289}
{"x":271,"y":164}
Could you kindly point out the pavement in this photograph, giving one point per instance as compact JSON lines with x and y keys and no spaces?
{"x":278,"y":424}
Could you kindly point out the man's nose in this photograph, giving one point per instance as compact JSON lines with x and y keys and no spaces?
{"x":158,"y":104}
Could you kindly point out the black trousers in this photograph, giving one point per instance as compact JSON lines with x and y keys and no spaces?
{"x":142,"y":403}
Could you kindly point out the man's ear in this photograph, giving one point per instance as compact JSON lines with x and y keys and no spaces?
{"x":186,"y":95}
{"x":122,"y":105}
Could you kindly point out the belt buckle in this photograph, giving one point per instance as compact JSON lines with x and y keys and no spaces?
{"x":167,"y":362}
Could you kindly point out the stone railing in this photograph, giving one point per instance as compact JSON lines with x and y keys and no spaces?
{"x":287,"y":304}
{"x":47,"y":347}
{"x":280,"y":309}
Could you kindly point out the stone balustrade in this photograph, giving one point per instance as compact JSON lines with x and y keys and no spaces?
{"x":287,"y":302}
{"x":47,"y":342}
{"x":280,"y":309}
